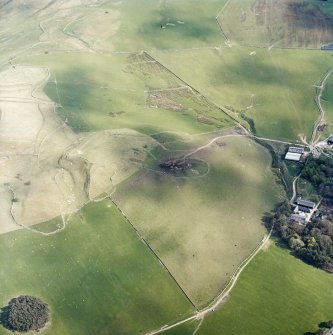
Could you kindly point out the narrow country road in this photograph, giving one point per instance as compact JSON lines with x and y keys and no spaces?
{"x":235,"y":135}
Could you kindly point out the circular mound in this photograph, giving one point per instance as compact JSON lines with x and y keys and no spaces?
{"x":25,"y":313}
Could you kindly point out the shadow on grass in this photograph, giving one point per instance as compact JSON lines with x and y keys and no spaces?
{"x":4,"y":315}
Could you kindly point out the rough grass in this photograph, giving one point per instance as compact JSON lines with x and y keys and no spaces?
{"x":286,"y":23}
{"x":96,"y":275}
{"x":203,"y":227}
{"x":99,"y":92}
{"x":140,"y":27}
{"x":276,"y":294}
{"x":275,"y":88}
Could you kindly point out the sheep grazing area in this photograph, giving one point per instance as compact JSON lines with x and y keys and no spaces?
{"x":138,"y":163}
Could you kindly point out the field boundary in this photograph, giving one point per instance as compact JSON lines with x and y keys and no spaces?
{"x":192,"y":88}
{"x":221,"y":11}
{"x":154,"y":253}
{"x":218,"y":300}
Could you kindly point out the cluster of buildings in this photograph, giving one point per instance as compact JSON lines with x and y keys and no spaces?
{"x":303,"y":211}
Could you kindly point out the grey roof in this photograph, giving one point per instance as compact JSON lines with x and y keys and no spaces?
{"x":297,"y":150}
{"x":306,"y":203}
{"x":292,"y":156}
{"x":304,"y":209}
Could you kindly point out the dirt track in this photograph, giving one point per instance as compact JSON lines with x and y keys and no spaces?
{"x":200,"y":315}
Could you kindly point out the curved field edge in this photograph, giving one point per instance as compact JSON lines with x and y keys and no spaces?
{"x":204,"y":227}
{"x":96,"y":275}
{"x":276,"y":294}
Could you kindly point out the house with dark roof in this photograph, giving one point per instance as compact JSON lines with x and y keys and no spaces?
{"x":303,"y":211}
{"x":305,"y":203}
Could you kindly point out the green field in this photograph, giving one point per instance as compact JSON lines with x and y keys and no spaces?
{"x":201,"y":227}
{"x":275,"y":88}
{"x":184,"y":329}
{"x":140,"y":26}
{"x":96,"y":275}
{"x":327,"y":103}
{"x":132,"y":91}
{"x":285,"y":23}
{"x":137,"y":85}
{"x":277,"y":294}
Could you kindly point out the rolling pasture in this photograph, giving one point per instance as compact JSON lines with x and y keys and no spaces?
{"x":286,"y":23}
{"x":201,"y":227}
{"x":95,"y":95}
{"x":277,"y":294}
{"x":96,"y":276}
{"x":149,"y":24}
{"x":132,"y":91}
{"x":327,"y":103}
{"x":275,"y":88}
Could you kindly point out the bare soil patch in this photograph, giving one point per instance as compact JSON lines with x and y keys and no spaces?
{"x":163,"y":99}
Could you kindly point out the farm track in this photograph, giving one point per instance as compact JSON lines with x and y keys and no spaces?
{"x":314,"y":138}
{"x":292,"y":199}
{"x":221,"y":298}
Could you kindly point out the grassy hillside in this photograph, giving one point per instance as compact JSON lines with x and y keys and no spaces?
{"x":201,"y":226}
{"x":140,"y":26}
{"x":96,"y":275}
{"x":125,"y":91}
{"x":285,"y":23}
{"x":327,"y":104}
{"x":277,"y":294}
{"x":275,"y":88}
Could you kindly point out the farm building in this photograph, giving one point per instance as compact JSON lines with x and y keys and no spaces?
{"x":290,"y":156}
{"x":294,"y":154}
{"x":306,"y":203}
{"x":303,"y":211}
{"x":330,"y":140}
{"x":296,"y":150}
